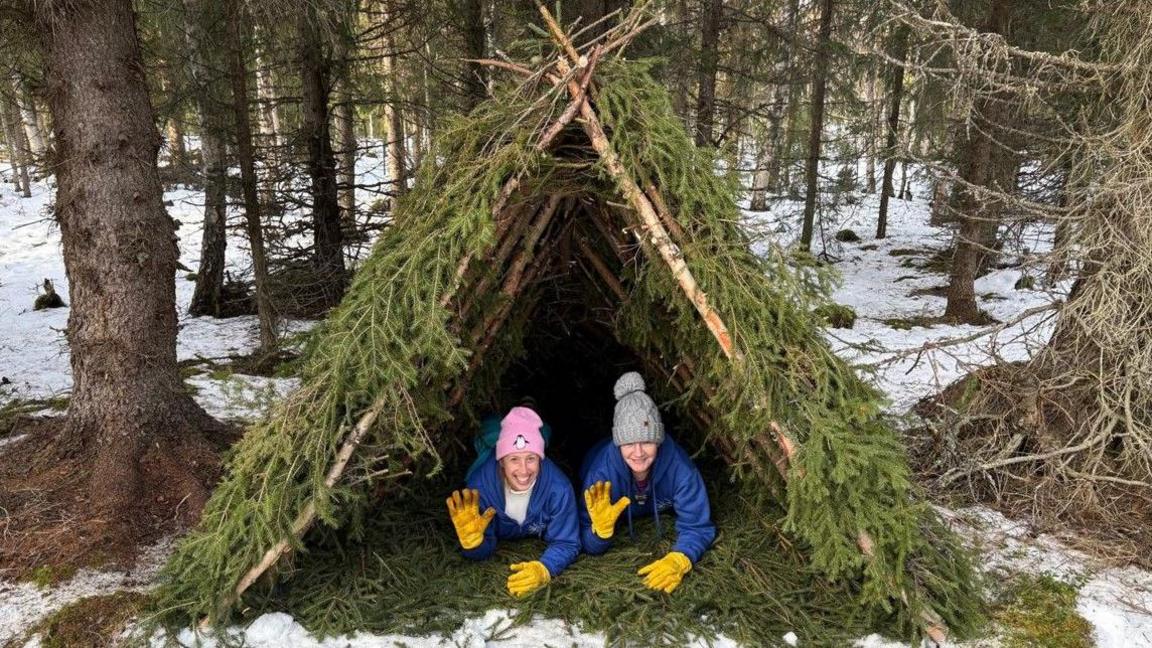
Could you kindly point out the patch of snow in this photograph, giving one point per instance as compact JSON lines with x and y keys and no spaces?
{"x":24,"y":604}
{"x":240,"y":397}
{"x":879,"y":277}
{"x":494,"y":629}
{"x":33,"y":349}
{"x":12,"y":439}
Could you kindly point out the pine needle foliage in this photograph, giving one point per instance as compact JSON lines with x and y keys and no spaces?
{"x":391,"y":338}
{"x":407,"y":576}
{"x":851,"y":474}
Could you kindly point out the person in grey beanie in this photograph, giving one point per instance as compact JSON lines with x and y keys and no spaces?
{"x":642,"y":471}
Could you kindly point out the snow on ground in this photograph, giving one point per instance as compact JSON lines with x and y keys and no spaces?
{"x":877,"y":284}
{"x":493,"y":630}
{"x":23,"y":604}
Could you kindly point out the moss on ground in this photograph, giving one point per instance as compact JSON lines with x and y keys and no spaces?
{"x":1040,"y":612}
{"x":907,"y":323}
{"x":91,"y":622}
{"x":46,"y":576}
{"x":13,"y":410}
{"x":837,"y":315}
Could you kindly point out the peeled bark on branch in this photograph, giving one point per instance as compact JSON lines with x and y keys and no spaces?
{"x":643,"y":207}
{"x":307,"y":516}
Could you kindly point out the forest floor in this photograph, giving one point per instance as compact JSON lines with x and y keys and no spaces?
{"x":891,"y":284}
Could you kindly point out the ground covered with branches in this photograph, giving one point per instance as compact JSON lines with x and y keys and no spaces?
{"x":406,"y":576}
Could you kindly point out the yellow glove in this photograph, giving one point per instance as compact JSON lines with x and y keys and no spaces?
{"x":665,"y":574}
{"x":464,"y":509}
{"x":527,"y":577}
{"x":604,"y":513}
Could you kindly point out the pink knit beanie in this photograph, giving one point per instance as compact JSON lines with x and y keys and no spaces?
{"x":520,"y":432}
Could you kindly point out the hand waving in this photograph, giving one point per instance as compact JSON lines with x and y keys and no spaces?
{"x":464,"y":509}
{"x":604,"y":513}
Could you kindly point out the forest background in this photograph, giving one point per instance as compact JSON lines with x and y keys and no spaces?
{"x":1009,"y":114}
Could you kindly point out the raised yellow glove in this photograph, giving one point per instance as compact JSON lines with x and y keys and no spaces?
{"x":527,"y":577}
{"x":665,"y":574}
{"x":604,"y":513}
{"x":464,"y":509}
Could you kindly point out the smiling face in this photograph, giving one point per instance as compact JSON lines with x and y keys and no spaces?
{"x":520,"y":469}
{"x":639,"y":457}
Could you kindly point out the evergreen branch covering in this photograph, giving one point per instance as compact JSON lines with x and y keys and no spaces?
{"x":391,"y":335}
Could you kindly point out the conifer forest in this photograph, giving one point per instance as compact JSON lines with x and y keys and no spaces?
{"x":285,"y":286}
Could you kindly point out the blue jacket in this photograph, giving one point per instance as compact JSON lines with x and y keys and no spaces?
{"x":551,"y":514}
{"x":674,"y":484}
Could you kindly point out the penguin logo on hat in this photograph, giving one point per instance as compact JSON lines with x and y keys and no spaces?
{"x":520,"y":443}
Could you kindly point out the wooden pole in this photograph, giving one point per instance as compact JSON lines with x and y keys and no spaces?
{"x":307,"y":515}
{"x":672,"y":256}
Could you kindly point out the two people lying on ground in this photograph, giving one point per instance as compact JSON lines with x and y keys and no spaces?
{"x":523,"y":494}
{"x":641,"y":471}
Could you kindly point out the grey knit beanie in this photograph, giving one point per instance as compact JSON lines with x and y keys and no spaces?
{"x":636,"y":419}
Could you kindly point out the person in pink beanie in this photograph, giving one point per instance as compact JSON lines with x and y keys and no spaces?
{"x":522,"y":494}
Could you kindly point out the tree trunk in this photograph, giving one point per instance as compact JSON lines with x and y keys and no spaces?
{"x":270,"y":128}
{"x":14,"y":138}
{"x":819,"y":81}
{"x":475,"y":74}
{"x":680,"y":70}
{"x":591,"y":13}
{"x":27,"y":105}
{"x":713,"y":13}
{"x":120,"y":257}
{"x":315,"y":74}
{"x":895,"y":96}
{"x":978,"y":214}
{"x":393,"y":118}
{"x":204,"y":20}
{"x":343,"y":114}
{"x":1058,"y":258}
{"x":269,"y":114}
{"x":1005,"y":168}
{"x":941,"y":191}
{"x":346,"y":136}
{"x":173,"y":126}
{"x":781,"y":114}
{"x":761,"y":177}
{"x":775,"y":131}
{"x":237,"y":37}
{"x":870,"y":135}
{"x":175,"y":135}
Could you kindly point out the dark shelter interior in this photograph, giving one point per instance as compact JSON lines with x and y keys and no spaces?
{"x":570,"y":361}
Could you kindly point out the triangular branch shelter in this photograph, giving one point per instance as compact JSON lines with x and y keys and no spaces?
{"x":575,"y":207}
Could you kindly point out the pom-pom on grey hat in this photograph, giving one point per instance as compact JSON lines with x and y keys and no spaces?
{"x":636,"y":419}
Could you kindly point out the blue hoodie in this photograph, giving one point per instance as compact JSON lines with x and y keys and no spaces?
{"x":551,"y":514}
{"x":674,"y":483}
